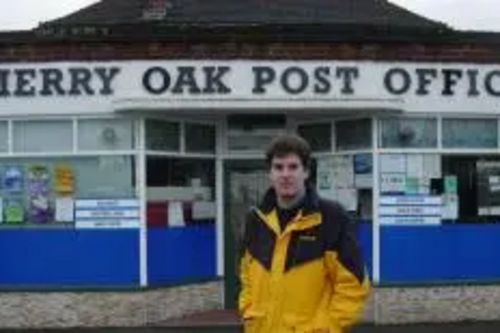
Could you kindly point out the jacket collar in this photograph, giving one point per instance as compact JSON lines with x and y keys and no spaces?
{"x":310,"y":203}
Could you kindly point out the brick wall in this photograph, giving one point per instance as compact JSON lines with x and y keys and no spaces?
{"x":162,"y":50}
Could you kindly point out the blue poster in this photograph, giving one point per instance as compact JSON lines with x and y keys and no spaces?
{"x":12,"y":180}
{"x":363,"y":164}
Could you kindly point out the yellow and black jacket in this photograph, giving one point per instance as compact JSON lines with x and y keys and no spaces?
{"x":305,"y":278}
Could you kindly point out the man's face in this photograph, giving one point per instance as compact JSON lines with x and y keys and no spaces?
{"x":288,"y":176}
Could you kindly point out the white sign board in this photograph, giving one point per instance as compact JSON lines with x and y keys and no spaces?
{"x":107,"y":86}
{"x":111,"y":214}
{"x":410,"y":210}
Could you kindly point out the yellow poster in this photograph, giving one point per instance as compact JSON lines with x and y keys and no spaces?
{"x":63,"y":178}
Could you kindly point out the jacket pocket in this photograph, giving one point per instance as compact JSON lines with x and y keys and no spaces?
{"x":253,"y":322}
{"x":253,"y":325}
{"x":335,"y":326}
{"x":295,"y":323}
{"x":301,"y":324}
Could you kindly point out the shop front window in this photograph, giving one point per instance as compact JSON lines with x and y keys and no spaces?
{"x":43,"y":136}
{"x":408,"y":133}
{"x":319,"y":136}
{"x":105,"y":134}
{"x":180,"y":191}
{"x":4,"y":137}
{"x":348,"y":179}
{"x":353,"y":134}
{"x":200,"y":138}
{"x":470,"y":133}
{"x":253,"y":132}
{"x":43,"y":191}
{"x":162,"y":135}
{"x":476,"y":187}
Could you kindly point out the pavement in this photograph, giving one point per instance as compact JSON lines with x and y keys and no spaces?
{"x":227,"y":321}
{"x":465,"y":327}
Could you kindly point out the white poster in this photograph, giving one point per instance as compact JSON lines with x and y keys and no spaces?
{"x":348,"y":198}
{"x":324,"y":178}
{"x":65,"y":209}
{"x":450,"y":207}
{"x":176,"y":214}
{"x":392,"y":183}
{"x":204,"y":210}
{"x":343,"y":171}
{"x":432,"y":166}
{"x":415,"y":166}
{"x":393,"y":163}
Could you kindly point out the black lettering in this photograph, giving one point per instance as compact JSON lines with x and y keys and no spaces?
{"x":214,"y":83}
{"x":347,"y":74}
{"x":262,"y":77}
{"x":107,"y":75}
{"x":186,"y":78}
{"x":425,"y":76}
{"x":80,"y":81}
{"x":51,"y":82}
{"x":322,"y":85}
{"x":451,"y":78}
{"x":302,"y":77}
{"x":24,"y":85}
{"x":390,"y":77}
{"x":473,"y":89}
{"x":488,"y":83}
{"x":4,"y":82}
{"x":164,"y":84}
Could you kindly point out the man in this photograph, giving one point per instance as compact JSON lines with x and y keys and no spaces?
{"x":301,"y":270}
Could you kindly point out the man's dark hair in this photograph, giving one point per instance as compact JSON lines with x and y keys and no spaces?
{"x":289,"y":144}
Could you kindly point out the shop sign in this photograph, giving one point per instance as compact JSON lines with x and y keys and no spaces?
{"x":249,"y":79}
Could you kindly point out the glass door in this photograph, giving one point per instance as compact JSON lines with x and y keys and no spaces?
{"x":245,"y":184}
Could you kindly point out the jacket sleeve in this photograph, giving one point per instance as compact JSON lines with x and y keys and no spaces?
{"x":244,"y":298}
{"x":347,"y":272}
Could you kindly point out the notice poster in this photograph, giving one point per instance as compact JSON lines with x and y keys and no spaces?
{"x":324,"y":176}
{"x":176,"y":214}
{"x":488,"y":187}
{"x":65,"y":209}
{"x":363,"y":170}
{"x":415,"y":166}
{"x":393,"y":163}
{"x":432,"y":166}
{"x":13,"y":211}
{"x":348,"y":198}
{"x":12,"y":180}
{"x":450,"y":207}
{"x":343,"y":172}
{"x":412,"y":185}
{"x":63,"y":179}
{"x":38,"y":194}
{"x":450,"y":184}
{"x":393,"y":183}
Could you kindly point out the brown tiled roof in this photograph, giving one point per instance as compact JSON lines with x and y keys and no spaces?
{"x":254,"y":12}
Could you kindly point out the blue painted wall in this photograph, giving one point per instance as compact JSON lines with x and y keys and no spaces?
{"x":68,"y":257}
{"x":48,"y":258}
{"x":445,"y":253}
{"x":181,"y":255}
